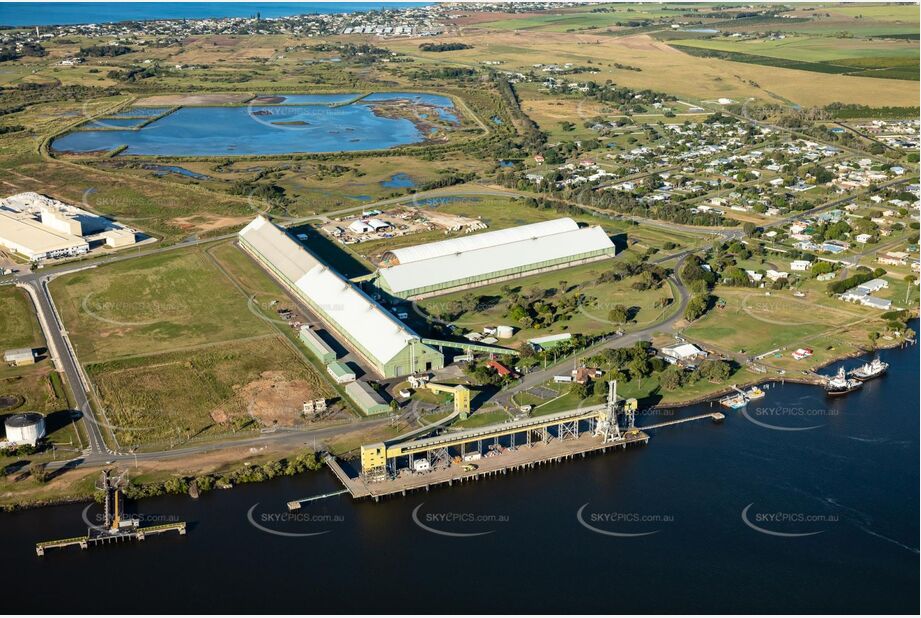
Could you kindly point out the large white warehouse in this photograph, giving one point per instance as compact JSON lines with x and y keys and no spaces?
{"x":388,"y":345}
{"x":449,"y":265}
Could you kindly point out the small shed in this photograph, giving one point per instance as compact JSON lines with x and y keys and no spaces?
{"x":19,"y":356}
{"x":317,"y":346}
{"x":340,"y":372}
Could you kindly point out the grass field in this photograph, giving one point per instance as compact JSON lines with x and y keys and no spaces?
{"x":153,"y":304}
{"x":589,"y":318}
{"x":233,"y":387}
{"x":19,"y":327}
{"x":756,"y":324}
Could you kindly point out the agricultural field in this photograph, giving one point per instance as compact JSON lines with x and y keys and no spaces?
{"x":896,"y":59}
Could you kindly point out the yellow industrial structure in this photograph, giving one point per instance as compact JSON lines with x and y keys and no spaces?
{"x":461,"y":396}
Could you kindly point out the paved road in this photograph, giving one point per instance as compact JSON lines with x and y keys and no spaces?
{"x":63,"y":356}
{"x":285,"y":438}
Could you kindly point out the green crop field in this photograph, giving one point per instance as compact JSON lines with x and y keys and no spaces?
{"x":886,"y":59}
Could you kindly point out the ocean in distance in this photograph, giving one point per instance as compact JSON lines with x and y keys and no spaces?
{"x":63,"y":13}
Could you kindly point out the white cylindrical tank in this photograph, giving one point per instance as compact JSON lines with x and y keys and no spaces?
{"x":26,"y":428}
{"x":505,"y":332}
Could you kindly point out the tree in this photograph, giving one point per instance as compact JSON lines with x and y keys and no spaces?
{"x":697,"y":306}
{"x":618,"y":315}
{"x":39,"y":472}
{"x":873,"y":336}
{"x":581,"y":391}
{"x":715,"y":370}
{"x":672,"y":378}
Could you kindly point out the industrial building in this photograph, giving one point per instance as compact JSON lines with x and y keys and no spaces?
{"x":38,"y":227}
{"x":388,"y":346}
{"x":459,"y":263}
{"x":340,"y":372}
{"x":366,"y":398}
{"x":26,"y":236}
{"x":317,"y":346}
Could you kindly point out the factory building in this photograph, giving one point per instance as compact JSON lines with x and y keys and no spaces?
{"x":29,"y":238}
{"x":39,"y":227}
{"x":459,"y":263}
{"x":389,"y":347}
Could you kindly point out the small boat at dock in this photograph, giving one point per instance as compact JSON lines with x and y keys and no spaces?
{"x":734,"y":401}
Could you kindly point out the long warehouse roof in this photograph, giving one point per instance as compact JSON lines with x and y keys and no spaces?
{"x":483,"y":261}
{"x":352,"y":310}
{"x":441,"y":248}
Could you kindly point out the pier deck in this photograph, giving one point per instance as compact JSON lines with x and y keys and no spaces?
{"x":522,"y":458}
{"x":91,"y":540}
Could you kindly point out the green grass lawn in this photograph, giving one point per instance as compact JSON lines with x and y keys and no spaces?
{"x":19,"y":327}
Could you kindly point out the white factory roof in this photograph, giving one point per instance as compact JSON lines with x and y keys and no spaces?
{"x":481,"y":261}
{"x":353,"y":311}
{"x":28,"y":236}
{"x":441,"y":248}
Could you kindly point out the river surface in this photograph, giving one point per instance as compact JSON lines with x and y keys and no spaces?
{"x":301,"y":123}
{"x":61,"y":13}
{"x":850,"y":484}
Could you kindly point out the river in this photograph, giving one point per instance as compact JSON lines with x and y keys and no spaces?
{"x":731,"y":517}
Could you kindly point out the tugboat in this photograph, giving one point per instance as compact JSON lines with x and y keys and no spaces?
{"x":870,"y":370}
{"x":841,"y":384}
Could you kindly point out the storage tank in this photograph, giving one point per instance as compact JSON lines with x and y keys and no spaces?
{"x":26,"y":428}
{"x":505,"y":332}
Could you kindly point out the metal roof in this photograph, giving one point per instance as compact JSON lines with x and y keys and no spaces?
{"x":441,"y":248}
{"x":489,"y":259}
{"x":22,"y":233}
{"x":353,"y":312}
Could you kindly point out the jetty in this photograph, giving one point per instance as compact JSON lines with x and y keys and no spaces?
{"x":117,"y":528}
{"x":399,"y":466}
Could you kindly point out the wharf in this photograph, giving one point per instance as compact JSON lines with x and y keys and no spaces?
{"x":95,"y":538}
{"x":523,"y":457}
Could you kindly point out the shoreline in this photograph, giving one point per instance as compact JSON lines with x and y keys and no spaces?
{"x":710,"y":397}
{"x":793,"y":378}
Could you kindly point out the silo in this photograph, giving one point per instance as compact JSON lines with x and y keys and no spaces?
{"x":505,"y":332}
{"x":25,"y":428}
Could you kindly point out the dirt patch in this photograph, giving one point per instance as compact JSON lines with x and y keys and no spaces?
{"x":170,"y":100}
{"x":644,"y":42}
{"x":274,"y":400}
{"x":208,"y":223}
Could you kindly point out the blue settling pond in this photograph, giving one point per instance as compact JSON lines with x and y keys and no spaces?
{"x":398,"y":181}
{"x":301,"y":123}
